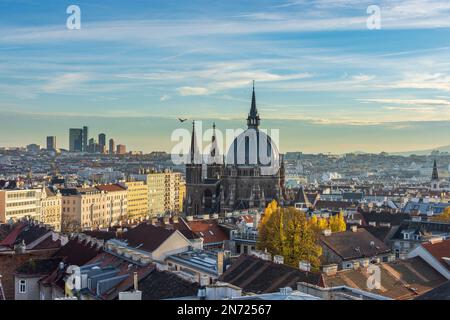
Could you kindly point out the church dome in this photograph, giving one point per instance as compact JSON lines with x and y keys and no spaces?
{"x":254,"y":147}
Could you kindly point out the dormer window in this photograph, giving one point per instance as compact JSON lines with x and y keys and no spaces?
{"x":406,"y":236}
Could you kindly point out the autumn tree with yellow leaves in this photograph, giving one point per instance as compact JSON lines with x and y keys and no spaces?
{"x":443,"y":217}
{"x":335,"y":223}
{"x":287,"y":232}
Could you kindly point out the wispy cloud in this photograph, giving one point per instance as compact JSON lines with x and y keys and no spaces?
{"x":64,"y":82}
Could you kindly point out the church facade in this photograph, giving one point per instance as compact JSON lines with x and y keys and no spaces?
{"x":249,"y":176}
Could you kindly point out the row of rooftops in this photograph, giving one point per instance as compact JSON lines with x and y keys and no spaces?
{"x":253,"y":275}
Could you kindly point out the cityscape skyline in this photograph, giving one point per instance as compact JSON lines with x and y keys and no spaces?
{"x":320,"y":73}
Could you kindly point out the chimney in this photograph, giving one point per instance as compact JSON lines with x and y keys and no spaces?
{"x":135,"y":278}
{"x":220,"y":262}
{"x":330,"y":269}
{"x":304,"y":266}
{"x":278,"y":259}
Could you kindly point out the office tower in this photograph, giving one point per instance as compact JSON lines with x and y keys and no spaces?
{"x":85,"y":138}
{"x":91,"y":145}
{"x":111,"y":146}
{"x":121,"y":149}
{"x":51,"y":143}
{"x":75,"y":140}
{"x":101,"y":141}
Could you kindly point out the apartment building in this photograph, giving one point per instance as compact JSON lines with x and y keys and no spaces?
{"x":82,"y":208}
{"x":16,"y":204}
{"x":181,"y":195}
{"x":116,"y":202}
{"x":173,"y":181}
{"x":163,"y":191}
{"x":51,"y":208}
{"x":93,"y":207}
{"x":137,"y":195}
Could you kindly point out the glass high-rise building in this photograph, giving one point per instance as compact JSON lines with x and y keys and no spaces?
{"x":51,"y":143}
{"x":75,"y":140}
{"x":85,"y":139}
{"x":102,"y":140}
{"x":111,"y":146}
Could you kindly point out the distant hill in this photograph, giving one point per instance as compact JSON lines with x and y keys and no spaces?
{"x":423,"y":152}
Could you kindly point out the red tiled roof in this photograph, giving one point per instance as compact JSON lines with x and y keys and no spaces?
{"x":439,"y":250}
{"x":76,"y":252}
{"x":48,"y":243}
{"x":210,"y":231}
{"x":110,"y":187}
{"x":147,"y":236}
{"x":12,"y":236}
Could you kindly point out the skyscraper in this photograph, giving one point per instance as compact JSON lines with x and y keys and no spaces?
{"x":101,"y":140}
{"x":51,"y":143}
{"x":121,"y":149}
{"x":85,"y":138}
{"x":75,"y":140}
{"x":111,"y":146}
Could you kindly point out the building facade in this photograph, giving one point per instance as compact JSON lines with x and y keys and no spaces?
{"x":17,"y":204}
{"x":51,"y":208}
{"x":51,"y":143}
{"x":75,"y":140}
{"x":137,"y":194}
{"x":93,"y":207}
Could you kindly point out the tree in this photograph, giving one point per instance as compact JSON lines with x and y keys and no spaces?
{"x":443,"y":217}
{"x":337,"y":223}
{"x":287,"y":232}
{"x":322,"y":223}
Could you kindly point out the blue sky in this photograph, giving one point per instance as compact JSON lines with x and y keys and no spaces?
{"x":326,"y":81}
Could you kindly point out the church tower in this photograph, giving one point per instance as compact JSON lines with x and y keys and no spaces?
{"x":435,"y":178}
{"x":194,"y":165}
{"x":215,"y":166}
{"x":253,"y":117}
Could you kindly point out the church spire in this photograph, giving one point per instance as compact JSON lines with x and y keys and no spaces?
{"x":194,"y":148}
{"x":253,"y":117}
{"x":213,"y":142}
{"x":435,"y":175}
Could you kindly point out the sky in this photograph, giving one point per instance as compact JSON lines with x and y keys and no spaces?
{"x":322,"y":77}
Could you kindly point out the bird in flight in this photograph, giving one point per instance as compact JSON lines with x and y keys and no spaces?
{"x":181,"y":120}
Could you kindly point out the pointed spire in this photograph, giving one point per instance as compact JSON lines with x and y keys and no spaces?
{"x":213,"y":141}
{"x":435,"y":175}
{"x":253,"y":117}
{"x":194,"y":147}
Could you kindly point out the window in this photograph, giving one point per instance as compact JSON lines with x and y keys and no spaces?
{"x":22,"y":286}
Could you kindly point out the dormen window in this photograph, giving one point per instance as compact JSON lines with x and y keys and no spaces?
{"x":22,"y":286}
